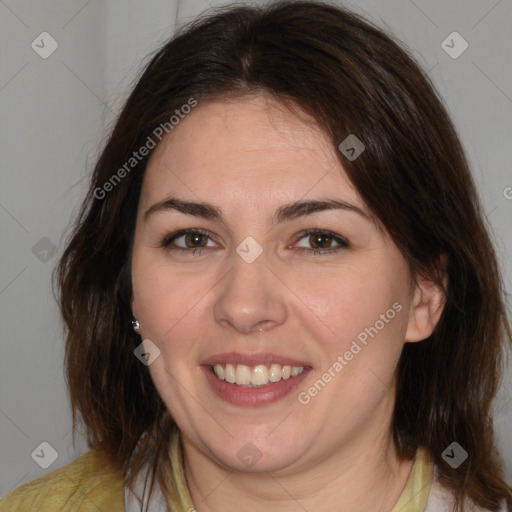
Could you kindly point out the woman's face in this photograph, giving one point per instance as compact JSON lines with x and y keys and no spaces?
{"x":258,"y":294}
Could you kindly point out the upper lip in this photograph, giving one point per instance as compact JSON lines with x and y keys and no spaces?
{"x":252,"y":359}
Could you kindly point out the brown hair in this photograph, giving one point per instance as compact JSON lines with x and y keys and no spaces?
{"x":413,"y":175}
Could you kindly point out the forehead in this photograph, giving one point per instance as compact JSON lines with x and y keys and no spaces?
{"x":249,"y":146}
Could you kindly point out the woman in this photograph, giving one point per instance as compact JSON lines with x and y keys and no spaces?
{"x":280,"y":290}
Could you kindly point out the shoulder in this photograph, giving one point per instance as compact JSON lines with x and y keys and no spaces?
{"x":87,"y":484}
{"x":441,"y":499}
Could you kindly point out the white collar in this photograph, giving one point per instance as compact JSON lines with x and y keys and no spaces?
{"x":142,"y":486}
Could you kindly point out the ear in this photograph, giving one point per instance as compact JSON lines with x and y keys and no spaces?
{"x":426,"y":308}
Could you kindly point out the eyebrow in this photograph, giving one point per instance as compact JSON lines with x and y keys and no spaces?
{"x":283,"y":213}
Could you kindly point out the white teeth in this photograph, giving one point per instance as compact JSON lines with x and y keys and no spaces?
{"x":297,"y":370}
{"x":219,"y":371}
{"x":259,"y":375}
{"x":243,"y":375}
{"x":275,"y":373}
{"x":229,"y":374}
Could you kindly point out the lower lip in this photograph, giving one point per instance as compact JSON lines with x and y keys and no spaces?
{"x":253,"y":397}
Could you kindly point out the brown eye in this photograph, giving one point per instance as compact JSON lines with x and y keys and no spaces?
{"x":193,"y":240}
{"x":188,"y":240}
{"x":320,"y":241}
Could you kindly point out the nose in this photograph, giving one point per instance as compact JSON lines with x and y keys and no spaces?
{"x":250,"y":298}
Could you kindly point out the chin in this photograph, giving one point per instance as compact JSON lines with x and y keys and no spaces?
{"x":246,"y":456}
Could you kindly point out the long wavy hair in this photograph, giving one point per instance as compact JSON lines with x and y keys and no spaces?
{"x":413,"y":175}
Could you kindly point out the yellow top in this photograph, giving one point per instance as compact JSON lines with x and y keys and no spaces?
{"x":90,"y":484}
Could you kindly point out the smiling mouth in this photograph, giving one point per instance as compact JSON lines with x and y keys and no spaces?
{"x":255,"y":376}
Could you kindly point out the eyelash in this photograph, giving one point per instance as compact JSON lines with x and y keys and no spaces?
{"x":168,"y":239}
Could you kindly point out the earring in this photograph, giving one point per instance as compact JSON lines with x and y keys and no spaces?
{"x":135,"y":325}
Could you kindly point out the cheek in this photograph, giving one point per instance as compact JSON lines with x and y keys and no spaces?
{"x":163,"y":298}
{"x":359,"y":302}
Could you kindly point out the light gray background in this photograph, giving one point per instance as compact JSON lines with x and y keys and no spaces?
{"x":55,"y":113}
